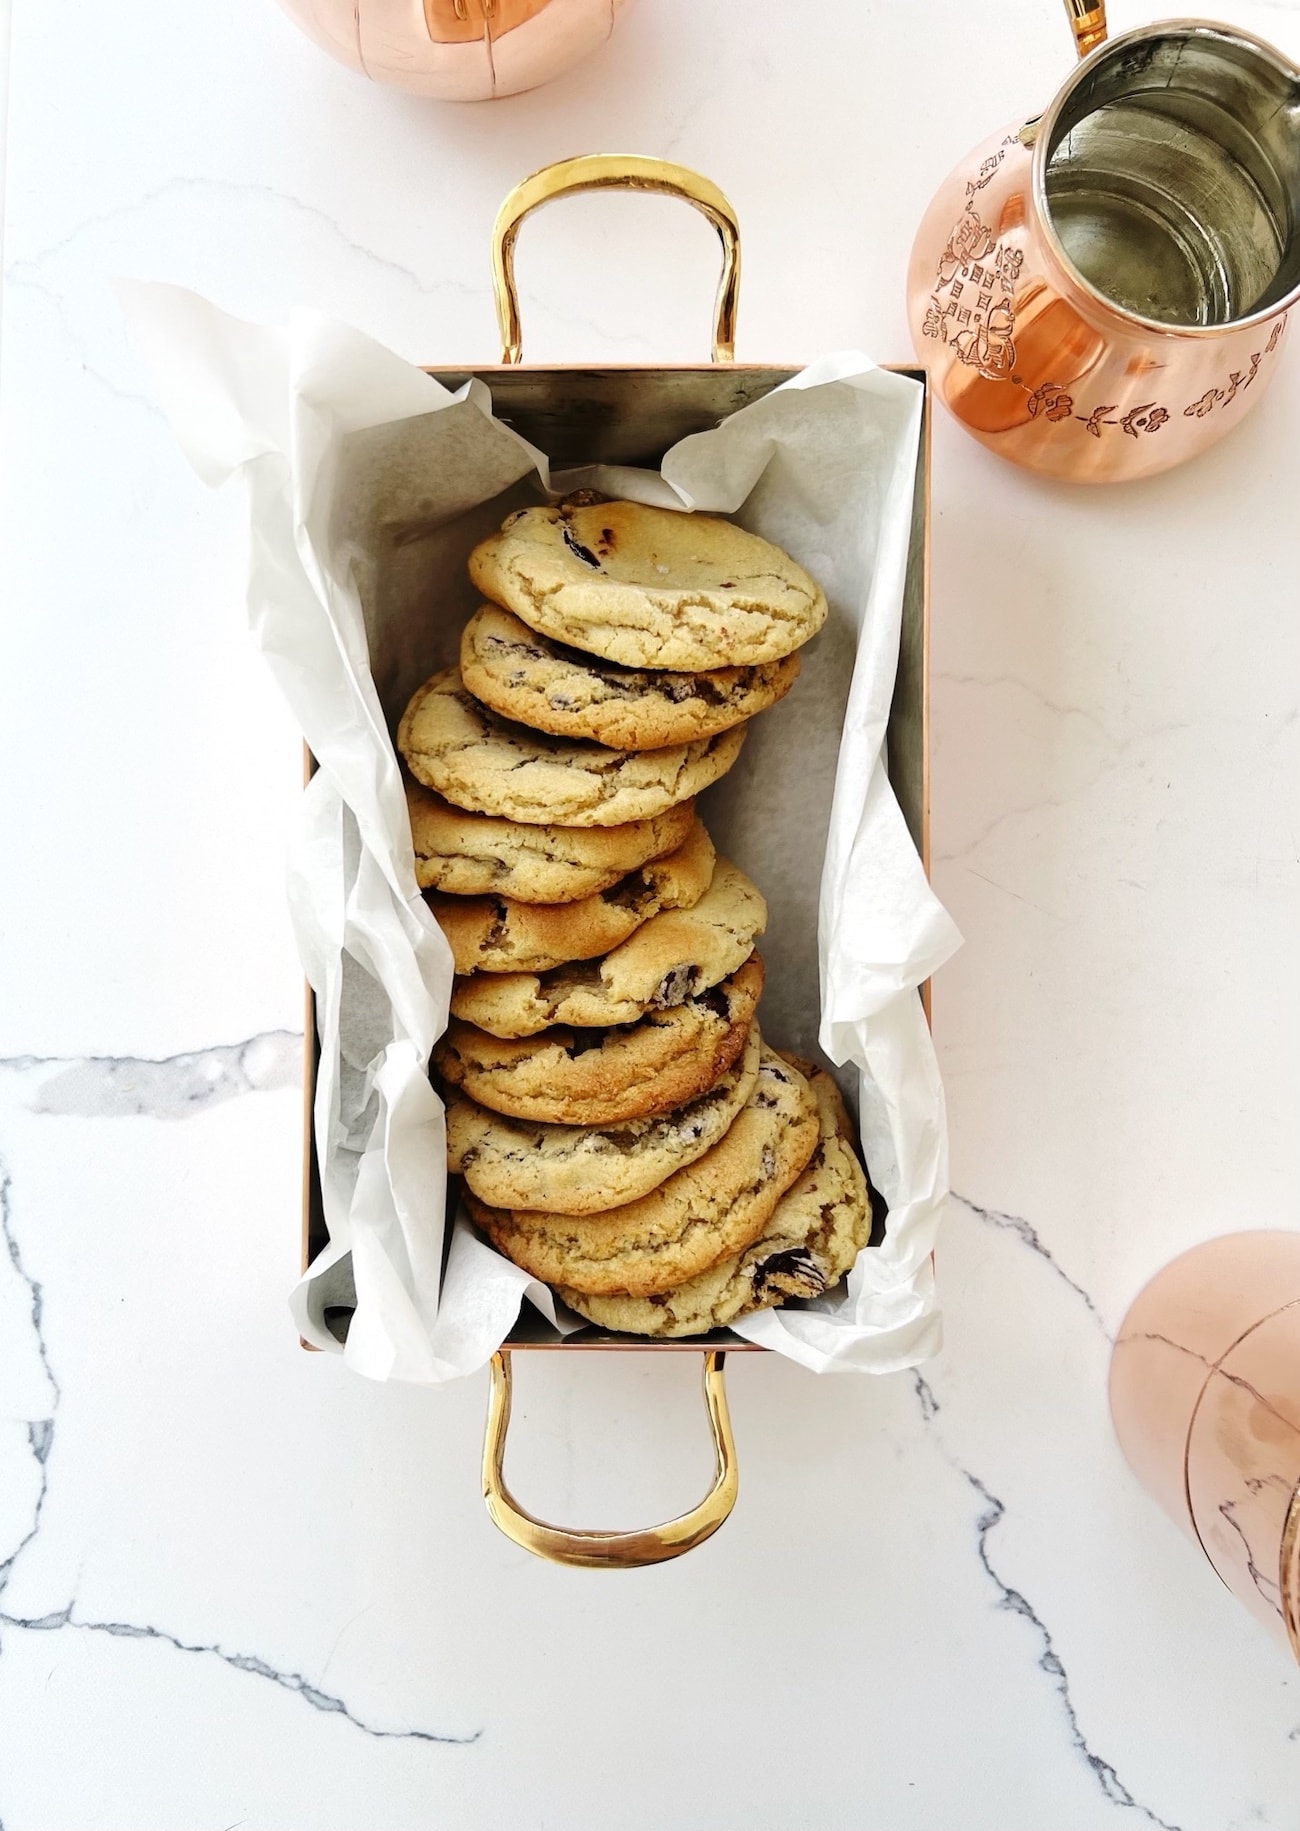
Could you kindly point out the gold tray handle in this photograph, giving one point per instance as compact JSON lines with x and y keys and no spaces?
{"x":614,"y":172}
{"x":610,"y":1550}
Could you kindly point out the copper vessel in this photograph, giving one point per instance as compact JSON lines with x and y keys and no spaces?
{"x":457,"y":50}
{"x":1205,"y":1395}
{"x":632,"y":415}
{"x":1100,"y":292}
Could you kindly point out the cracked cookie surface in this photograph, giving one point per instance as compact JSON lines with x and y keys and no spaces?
{"x":713,"y":1207}
{"x":667,"y":960}
{"x":602,"y":1077}
{"x":475,"y":759}
{"x":496,"y":934}
{"x":468,"y":854}
{"x":815,"y":1232}
{"x":584,"y":1169}
{"x":543,"y":684}
{"x":649,"y":588}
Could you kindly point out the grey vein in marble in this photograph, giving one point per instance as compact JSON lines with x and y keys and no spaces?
{"x":181,"y":186}
{"x":1120,"y":749}
{"x":1012,"y":1599}
{"x":40,"y":1431}
{"x":1049,"y":1660}
{"x":1015,"y":1602}
{"x":176,"y":1087}
{"x":686,"y":117}
{"x":242,"y":1662}
{"x":930,"y":1406}
{"x":1031,"y":690}
{"x":243,"y":1074}
{"x":1267,"y":1587}
{"x":24,"y":270}
{"x":1053,"y":915}
{"x":56,"y":299}
{"x":1025,"y":1231}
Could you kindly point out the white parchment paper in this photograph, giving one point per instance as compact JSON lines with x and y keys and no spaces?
{"x":368,"y":483}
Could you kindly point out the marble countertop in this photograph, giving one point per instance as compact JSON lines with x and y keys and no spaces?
{"x":241,"y":1587}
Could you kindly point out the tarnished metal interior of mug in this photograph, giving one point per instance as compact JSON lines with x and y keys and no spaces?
{"x":1173,"y":176}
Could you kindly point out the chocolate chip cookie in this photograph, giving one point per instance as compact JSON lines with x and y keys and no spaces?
{"x":713,"y":1207}
{"x":602,"y":1077}
{"x":649,"y":588}
{"x":815,"y":1232}
{"x":476,"y":760}
{"x":496,"y":934}
{"x":666,"y":960}
{"x":469,"y":854}
{"x":585,"y":1169}
{"x":542,"y":684}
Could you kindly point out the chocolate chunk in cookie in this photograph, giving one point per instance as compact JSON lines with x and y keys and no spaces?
{"x":712,"y":1208}
{"x":477,"y":760}
{"x":543,"y":684}
{"x":649,"y":588}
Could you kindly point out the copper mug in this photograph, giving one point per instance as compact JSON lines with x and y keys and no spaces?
{"x":1205,"y":1397}
{"x":457,"y":50}
{"x":1101,"y":292}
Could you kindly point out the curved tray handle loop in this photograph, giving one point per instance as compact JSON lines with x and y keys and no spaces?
{"x":614,"y":172}
{"x":595,"y":1550}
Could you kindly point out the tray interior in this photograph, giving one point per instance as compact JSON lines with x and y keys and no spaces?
{"x":633,"y":416}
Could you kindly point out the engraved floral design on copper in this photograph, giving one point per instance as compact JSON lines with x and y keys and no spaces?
{"x":972,"y":310}
{"x":1094,"y":421}
{"x":989,"y":167}
{"x":1207,"y":403}
{"x":971,"y":307}
{"x":1051,"y":401}
{"x":987,"y":345}
{"x":970,"y":241}
{"x":1146,"y":418}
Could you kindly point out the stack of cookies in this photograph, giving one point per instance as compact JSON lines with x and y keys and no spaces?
{"x":623,"y":1130}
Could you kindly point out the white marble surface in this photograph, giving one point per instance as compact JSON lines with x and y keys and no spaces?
{"x":237,"y":1586}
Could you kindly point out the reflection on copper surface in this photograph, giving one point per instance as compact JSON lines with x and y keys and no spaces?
{"x":1088,"y":22}
{"x":460,"y":21}
{"x":1205,"y":1396}
{"x":1243,"y":1461}
{"x":458,"y":50}
{"x":454,"y":21}
{"x":1068,"y":324}
{"x":504,"y":15}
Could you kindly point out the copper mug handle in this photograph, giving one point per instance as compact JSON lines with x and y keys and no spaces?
{"x":1088,"y":23}
{"x":614,"y":172}
{"x":595,"y":1550}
